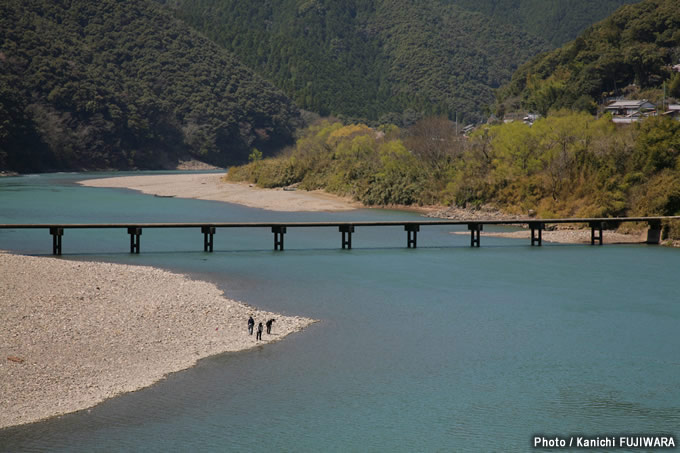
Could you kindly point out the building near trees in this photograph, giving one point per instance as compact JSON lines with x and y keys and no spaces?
{"x":673,"y":111}
{"x":629,"y":111}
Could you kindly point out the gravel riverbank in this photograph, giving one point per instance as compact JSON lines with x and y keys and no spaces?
{"x":563,"y":236}
{"x":76,"y":333}
{"x":212,"y":187}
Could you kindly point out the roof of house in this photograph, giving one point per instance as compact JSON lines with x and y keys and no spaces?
{"x":629,"y":104}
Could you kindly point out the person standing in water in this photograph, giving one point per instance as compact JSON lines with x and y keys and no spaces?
{"x":259,"y":332}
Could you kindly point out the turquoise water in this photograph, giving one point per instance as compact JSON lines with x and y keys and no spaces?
{"x":441,"y":348}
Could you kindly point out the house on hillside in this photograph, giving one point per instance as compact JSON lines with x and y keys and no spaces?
{"x":530,"y":118}
{"x":628,"y":111}
{"x":676,"y":68}
{"x":673,"y":111}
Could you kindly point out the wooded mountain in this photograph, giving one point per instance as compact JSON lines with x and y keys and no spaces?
{"x":636,"y":45}
{"x":371,"y":59}
{"x":385,"y":60}
{"x":111,"y":84}
{"x":557,"y":21}
{"x":114,"y":84}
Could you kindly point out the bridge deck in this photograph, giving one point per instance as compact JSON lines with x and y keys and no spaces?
{"x":347,"y":228}
{"x":524,"y":221}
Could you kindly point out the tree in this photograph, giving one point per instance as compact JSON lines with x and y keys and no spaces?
{"x":433,"y":140}
{"x":674,"y":85}
{"x":255,"y":155}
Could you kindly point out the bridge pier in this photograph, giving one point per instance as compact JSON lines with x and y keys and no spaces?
{"x":208,"y":233}
{"x":346,"y":231}
{"x":475,"y":229}
{"x":536,"y":226}
{"x":56,"y":233}
{"x":654,"y":232}
{"x":595,"y":226}
{"x":411,"y":235}
{"x":278,"y":231}
{"x":135,"y":234}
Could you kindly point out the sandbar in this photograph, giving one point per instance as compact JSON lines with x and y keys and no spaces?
{"x":575,"y":236}
{"x":212,"y":187}
{"x":75,"y":333}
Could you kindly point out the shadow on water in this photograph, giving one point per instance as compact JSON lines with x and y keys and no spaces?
{"x":270,"y":252}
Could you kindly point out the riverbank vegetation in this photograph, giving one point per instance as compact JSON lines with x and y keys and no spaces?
{"x":565,"y":165}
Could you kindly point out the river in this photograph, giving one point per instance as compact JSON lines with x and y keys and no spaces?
{"x":440,"y":348}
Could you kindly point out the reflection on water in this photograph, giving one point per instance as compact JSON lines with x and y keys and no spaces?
{"x":439,"y":348}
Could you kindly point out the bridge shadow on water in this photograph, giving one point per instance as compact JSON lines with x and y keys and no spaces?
{"x":308,"y":250}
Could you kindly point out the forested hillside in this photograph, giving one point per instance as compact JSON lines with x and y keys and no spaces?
{"x":557,"y":21}
{"x":110,"y":84}
{"x":625,"y":54}
{"x":381,"y":60}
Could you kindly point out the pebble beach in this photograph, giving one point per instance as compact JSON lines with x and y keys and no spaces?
{"x":212,"y":187}
{"x":76,"y":333}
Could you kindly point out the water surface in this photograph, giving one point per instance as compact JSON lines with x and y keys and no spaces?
{"x":441,"y":348}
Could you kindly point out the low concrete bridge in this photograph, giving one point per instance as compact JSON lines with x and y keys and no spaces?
{"x":279,"y":229}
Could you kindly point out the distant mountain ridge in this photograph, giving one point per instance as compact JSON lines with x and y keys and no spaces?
{"x":109,"y":84}
{"x":556,"y":21}
{"x":389,"y":60}
{"x":381,"y":60}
